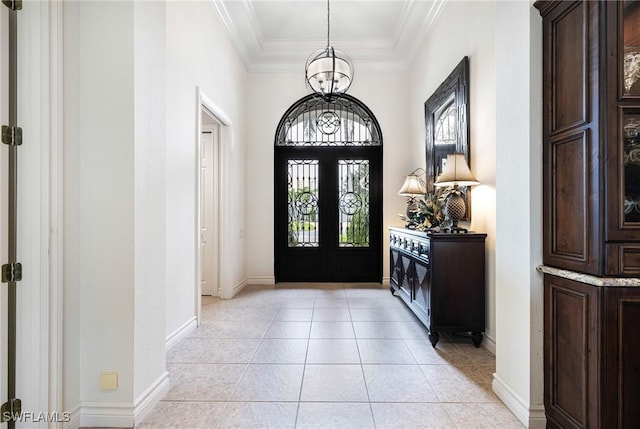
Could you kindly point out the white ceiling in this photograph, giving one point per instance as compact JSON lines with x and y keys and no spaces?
{"x":274,"y":35}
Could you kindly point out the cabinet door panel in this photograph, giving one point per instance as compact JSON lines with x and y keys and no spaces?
{"x":572,"y":148}
{"x":421,"y":291}
{"x":623,"y":349}
{"x":407,"y":278}
{"x":396,"y":268}
{"x":569,"y":83}
{"x":571,"y":353}
{"x":569,"y":190}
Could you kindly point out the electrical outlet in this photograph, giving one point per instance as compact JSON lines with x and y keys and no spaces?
{"x":108,"y":380}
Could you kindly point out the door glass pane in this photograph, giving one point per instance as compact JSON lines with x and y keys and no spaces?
{"x":353,"y":203}
{"x":631,"y":37}
{"x":631,"y":184}
{"x":303,"y":203}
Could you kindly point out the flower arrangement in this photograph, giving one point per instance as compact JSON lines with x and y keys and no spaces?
{"x":428,"y":214}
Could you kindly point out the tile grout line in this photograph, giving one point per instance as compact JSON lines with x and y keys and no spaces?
{"x":457,"y":348}
{"x":246,"y":368}
{"x":364,"y":378}
{"x":304,"y":367}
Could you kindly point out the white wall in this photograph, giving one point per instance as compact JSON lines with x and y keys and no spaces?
{"x":71,"y":175}
{"x":519,"y":365}
{"x":115,"y":204}
{"x":99,"y":157}
{"x":465,"y":29}
{"x":130,"y":189}
{"x":150,"y":166}
{"x":199,"y":54}
{"x":270,"y":95}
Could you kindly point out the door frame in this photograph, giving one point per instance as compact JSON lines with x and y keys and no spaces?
{"x":206,"y":106}
{"x":290,"y":138}
{"x":40,"y":321}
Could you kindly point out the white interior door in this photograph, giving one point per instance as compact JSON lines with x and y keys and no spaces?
{"x":208,"y":201}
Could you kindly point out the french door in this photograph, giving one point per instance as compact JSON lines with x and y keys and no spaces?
{"x":328,"y":214}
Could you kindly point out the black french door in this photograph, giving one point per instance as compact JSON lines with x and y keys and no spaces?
{"x":328,"y":214}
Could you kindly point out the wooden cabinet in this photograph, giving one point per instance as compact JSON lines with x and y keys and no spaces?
{"x":441,"y":277}
{"x":592,"y":354}
{"x":591,"y":131}
{"x":591,"y":206}
{"x":571,"y":129}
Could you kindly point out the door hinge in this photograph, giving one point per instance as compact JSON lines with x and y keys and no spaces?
{"x":12,"y":272}
{"x":11,"y":411}
{"x":11,"y":135}
{"x":13,"y":4}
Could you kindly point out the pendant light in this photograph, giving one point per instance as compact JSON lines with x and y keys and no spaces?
{"x":328,"y":71}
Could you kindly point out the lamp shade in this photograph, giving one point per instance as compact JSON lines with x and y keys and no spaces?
{"x":456,"y":172}
{"x":412,"y":186}
{"x":328,"y":72}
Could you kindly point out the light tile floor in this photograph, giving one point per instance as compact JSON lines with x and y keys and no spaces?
{"x":324,"y":356}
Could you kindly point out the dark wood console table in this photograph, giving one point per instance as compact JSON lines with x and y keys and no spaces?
{"x":440,"y":276}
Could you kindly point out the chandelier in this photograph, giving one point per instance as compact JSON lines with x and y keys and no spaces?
{"x":328,"y":71}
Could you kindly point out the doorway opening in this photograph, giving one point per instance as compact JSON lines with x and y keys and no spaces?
{"x":211,"y":135}
{"x":328,"y":192}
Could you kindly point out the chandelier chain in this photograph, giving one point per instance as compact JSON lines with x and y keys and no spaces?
{"x":328,"y":24}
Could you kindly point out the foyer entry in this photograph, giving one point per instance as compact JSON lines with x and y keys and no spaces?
{"x":328,"y":192}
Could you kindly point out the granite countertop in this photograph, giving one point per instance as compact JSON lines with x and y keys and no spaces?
{"x":589,"y":279}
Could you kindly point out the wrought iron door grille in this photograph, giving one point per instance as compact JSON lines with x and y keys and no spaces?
{"x":353,"y":203}
{"x":337,"y":122}
{"x":304,"y":219}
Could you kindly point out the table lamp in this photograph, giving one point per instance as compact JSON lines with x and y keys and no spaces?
{"x":456,"y":173}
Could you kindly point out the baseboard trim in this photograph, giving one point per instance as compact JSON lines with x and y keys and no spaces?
{"x":150,"y":397}
{"x":262,"y":280}
{"x":532,"y":417}
{"x":74,"y":419}
{"x":386,"y":281}
{"x":106,"y":414}
{"x":123,"y":414}
{"x":537,"y":418}
{"x":237,"y":288}
{"x":489,"y":343}
{"x":181,"y":332}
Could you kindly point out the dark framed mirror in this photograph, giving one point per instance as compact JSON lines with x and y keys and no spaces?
{"x":447,"y":125}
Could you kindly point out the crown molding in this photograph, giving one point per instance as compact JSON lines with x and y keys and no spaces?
{"x":393,"y":53}
{"x":432,"y":16}
{"x":234,"y":35}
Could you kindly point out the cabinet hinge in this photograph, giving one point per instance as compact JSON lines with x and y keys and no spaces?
{"x":11,"y":135}
{"x":11,"y":411}
{"x":13,"y":4}
{"x":12,"y":272}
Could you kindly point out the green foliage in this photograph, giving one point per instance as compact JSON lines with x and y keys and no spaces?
{"x":429,"y":211}
{"x":302,"y":226}
{"x":357,"y":232}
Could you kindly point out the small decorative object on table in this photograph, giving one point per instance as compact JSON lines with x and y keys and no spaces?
{"x":424,"y":209}
{"x":412,"y":188}
{"x":456,"y":173}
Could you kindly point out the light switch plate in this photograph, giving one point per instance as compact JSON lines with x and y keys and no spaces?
{"x":108,"y":380}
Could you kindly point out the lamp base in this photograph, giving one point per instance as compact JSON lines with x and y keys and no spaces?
{"x":412,"y":209}
{"x":455,"y":210}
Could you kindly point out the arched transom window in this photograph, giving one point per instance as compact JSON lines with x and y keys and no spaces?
{"x":341,"y":121}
